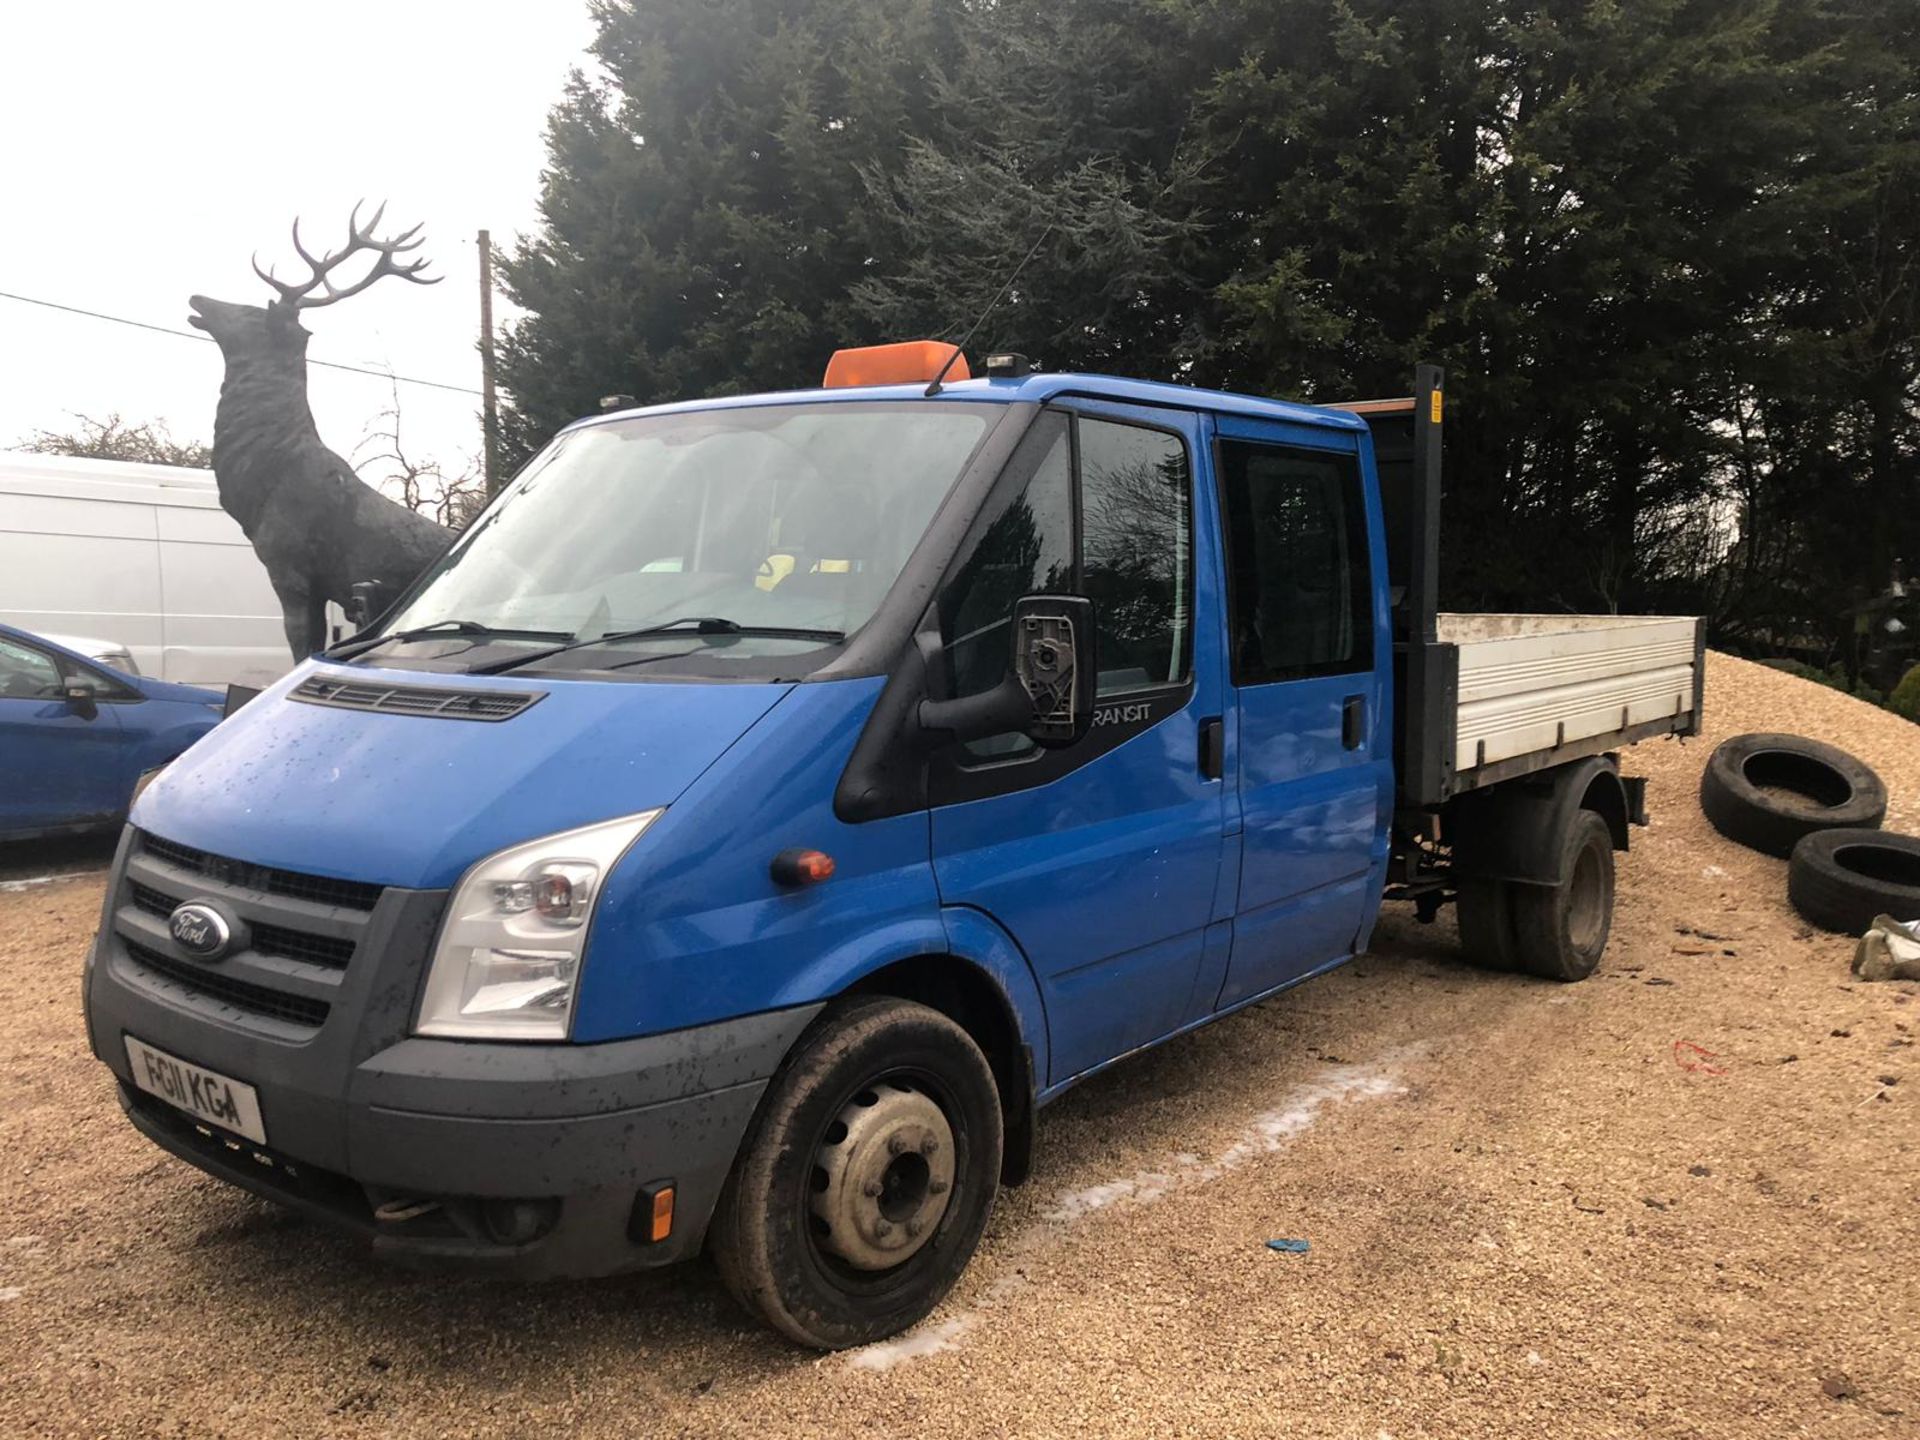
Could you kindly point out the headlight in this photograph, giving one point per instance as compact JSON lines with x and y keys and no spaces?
{"x":508,"y":962}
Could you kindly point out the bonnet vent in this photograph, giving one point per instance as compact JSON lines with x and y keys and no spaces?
{"x":431,"y":701}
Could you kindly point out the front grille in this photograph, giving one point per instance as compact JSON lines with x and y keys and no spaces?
{"x":321,"y":889}
{"x":301,"y":934}
{"x":325,"y":950}
{"x":432,"y":701}
{"x":146,"y":898}
{"x":241,"y":994}
{"x":298,"y":945}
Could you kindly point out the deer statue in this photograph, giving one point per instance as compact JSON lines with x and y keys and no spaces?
{"x":316,"y":526}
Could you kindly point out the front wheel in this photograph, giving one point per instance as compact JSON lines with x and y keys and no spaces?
{"x":866,"y":1178}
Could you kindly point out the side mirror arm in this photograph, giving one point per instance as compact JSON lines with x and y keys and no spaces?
{"x":1005,"y":709}
{"x":1047,"y":691}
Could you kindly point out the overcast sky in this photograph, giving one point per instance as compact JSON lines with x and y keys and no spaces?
{"x":147,"y":148}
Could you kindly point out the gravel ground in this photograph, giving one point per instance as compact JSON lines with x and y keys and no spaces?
{"x":1527,"y":1217}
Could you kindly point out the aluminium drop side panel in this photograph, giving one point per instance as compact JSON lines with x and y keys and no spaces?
{"x":1551,"y":686}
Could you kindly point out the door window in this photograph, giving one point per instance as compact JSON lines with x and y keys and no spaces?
{"x":1024,"y":549}
{"x":1136,"y":548}
{"x":27,"y":674}
{"x":1122,"y":536}
{"x":1298,"y":592}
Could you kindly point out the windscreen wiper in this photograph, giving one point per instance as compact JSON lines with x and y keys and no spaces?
{"x":694,"y":624}
{"x":359,"y":645}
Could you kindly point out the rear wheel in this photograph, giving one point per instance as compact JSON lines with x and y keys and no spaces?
{"x":1560,"y":931}
{"x":866,"y":1178}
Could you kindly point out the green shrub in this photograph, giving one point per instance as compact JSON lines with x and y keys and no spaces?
{"x":1905,"y":699}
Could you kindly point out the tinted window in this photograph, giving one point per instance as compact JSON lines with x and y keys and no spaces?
{"x":1297,"y":579}
{"x":1137,"y":552}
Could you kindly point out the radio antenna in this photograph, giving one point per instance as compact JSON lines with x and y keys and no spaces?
{"x":961,"y":348}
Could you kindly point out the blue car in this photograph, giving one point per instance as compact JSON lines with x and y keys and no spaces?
{"x":75,"y":737}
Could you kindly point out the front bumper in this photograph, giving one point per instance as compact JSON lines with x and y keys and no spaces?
{"x":525,"y":1160}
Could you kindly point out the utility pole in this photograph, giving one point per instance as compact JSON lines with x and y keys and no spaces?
{"x":489,"y":405}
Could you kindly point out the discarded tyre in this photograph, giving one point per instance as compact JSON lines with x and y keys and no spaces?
{"x":1841,"y":879}
{"x":1767,"y":791}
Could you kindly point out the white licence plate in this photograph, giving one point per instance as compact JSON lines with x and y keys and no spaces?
{"x":200,"y":1092}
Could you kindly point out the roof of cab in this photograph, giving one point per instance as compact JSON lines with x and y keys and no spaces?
{"x":1033,"y":389}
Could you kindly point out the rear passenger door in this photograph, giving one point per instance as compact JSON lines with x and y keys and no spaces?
{"x":1102,"y":860}
{"x":1309,"y":654}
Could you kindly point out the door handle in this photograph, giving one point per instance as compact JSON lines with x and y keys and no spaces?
{"x":1213,"y":748}
{"x":1353,"y":722}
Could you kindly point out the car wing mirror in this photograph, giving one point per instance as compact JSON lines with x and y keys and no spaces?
{"x":1053,"y":659}
{"x":1047,"y":692}
{"x":82,"y":701}
{"x":367,"y":601}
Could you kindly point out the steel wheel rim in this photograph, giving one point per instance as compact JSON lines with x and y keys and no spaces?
{"x":1586,"y":908}
{"x":882,"y":1177}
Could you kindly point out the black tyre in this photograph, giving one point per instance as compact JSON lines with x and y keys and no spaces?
{"x":1842,"y":879}
{"x":1484,"y":909}
{"x":1560,"y":931}
{"x":866,"y":1177}
{"x":1767,"y":791}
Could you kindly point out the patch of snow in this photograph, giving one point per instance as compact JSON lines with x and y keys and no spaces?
{"x":925,"y":1340}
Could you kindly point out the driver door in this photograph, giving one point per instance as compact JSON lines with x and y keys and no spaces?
{"x":1102,"y":860}
{"x":58,"y":765}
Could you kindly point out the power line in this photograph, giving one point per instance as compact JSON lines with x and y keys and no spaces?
{"x":190,"y":335}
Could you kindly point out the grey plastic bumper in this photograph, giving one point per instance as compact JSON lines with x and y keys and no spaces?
{"x":591,"y":1128}
{"x":359,"y":1116}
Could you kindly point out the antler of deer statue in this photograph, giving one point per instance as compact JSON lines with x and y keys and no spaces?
{"x":316,"y":526}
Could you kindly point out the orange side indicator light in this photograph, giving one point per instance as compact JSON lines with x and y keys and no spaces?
{"x":801,"y":867}
{"x":911,"y":362}
{"x":662,"y":1214}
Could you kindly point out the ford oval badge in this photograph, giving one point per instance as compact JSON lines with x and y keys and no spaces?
{"x":200,"y":930}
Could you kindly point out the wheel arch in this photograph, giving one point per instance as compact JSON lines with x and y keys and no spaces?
{"x":973,"y":1000}
{"x":961,"y":963}
{"x":1510,"y":831}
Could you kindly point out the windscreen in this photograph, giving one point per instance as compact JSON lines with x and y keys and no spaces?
{"x":724,"y":527}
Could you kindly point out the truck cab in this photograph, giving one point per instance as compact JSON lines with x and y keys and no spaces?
{"x":769,"y":804}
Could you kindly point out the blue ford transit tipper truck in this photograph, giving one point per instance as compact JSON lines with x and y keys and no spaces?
{"x":769,"y":804}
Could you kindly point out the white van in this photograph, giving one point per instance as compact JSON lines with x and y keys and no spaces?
{"x":141,"y":555}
